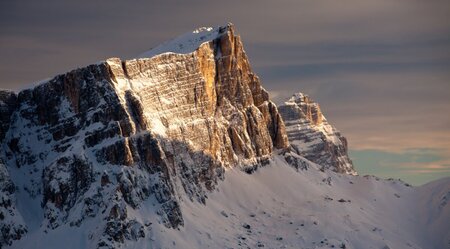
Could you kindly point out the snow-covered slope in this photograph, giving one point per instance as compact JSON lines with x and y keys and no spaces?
{"x":280,"y":207}
{"x":186,"y":43}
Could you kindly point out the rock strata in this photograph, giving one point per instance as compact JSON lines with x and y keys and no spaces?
{"x":312,"y":137}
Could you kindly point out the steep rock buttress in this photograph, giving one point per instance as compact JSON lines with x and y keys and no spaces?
{"x":312,"y":137}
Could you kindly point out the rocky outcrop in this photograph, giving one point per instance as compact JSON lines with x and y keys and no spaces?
{"x":12,"y":226}
{"x":312,"y":137}
{"x":98,"y":141}
{"x":7,"y":106}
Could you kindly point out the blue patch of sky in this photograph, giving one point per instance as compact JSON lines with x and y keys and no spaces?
{"x":409,"y":165}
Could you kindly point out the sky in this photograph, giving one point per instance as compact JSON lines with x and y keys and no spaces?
{"x":379,"y":69}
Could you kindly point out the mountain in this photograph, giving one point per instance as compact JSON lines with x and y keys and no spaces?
{"x":182,"y":148}
{"x":97,"y":142}
{"x":312,"y":137}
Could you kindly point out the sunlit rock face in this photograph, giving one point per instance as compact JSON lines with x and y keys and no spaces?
{"x":312,"y":137}
{"x":99,"y":141}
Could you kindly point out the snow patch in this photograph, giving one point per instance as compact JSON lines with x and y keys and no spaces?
{"x":186,"y":43}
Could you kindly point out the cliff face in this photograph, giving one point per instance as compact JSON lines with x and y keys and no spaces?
{"x":8,"y":101}
{"x":98,"y":142}
{"x":312,"y":137}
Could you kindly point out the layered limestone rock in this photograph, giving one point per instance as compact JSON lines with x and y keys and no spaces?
{"x":312,"y":137}
{"x":98,"y":141}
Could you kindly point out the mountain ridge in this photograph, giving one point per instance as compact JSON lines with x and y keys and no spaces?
{"x":128,"y":153}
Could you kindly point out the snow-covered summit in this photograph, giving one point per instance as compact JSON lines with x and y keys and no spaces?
{"x":183,"y":44}
{"x":296,"y":97}
{"x":188,"y":42}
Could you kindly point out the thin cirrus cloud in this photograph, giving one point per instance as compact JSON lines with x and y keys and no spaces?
{"x":379,"y":69}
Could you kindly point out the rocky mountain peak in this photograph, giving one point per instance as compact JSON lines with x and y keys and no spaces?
{"x":309,"y":109}
{"x":189,"y":42}
{"x":97,"y":142}
{"x":313,"y":137}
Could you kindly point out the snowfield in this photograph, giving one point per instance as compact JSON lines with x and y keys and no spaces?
{"x":186,"y":43}
{"x":280,"y":207}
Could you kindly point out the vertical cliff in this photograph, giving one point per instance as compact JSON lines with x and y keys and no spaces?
{"x":313,"y":137}
{"x":7,"y":106}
